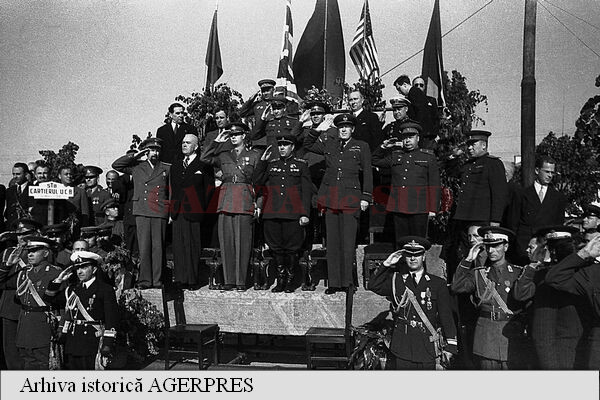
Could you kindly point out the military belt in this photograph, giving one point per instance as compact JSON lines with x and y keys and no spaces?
{"x":495,"y":315}
{"x":412,"y":323}
{"x":85,"y":322}
{"x":236,"y":179}
{"x":28,"y":308}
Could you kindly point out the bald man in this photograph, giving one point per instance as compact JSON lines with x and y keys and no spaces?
{"x":192,"y":182}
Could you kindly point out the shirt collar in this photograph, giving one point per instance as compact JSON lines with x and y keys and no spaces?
{"x":356,"y":113}
{"x":87,"y":284}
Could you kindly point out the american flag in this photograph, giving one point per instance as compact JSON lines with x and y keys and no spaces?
{"x":363,"y":51}
{"x":285,"y":74}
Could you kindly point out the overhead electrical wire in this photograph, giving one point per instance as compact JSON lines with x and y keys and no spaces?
{"x":570,"y":31}
{"x":572,"y":15}
{"x":452,"y":29}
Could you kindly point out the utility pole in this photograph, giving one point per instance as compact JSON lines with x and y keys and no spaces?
{"x":528,"y":95}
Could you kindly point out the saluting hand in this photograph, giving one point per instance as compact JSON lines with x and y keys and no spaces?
{"x":222,"y":137}
{"x":591,"y":249}
{"x":267,"y":112}
{"x":304,"y":221}
{"x":267,"y":154}
{"x":305,"y":116}
{"x":64,"y":275}
{"x":364,"y":205}
{"x":474,"y":252}
{"x":393,"y":258}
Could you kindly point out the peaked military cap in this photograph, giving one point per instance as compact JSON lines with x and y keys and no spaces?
{"x":410,"y":128}
{"x":591,"y":210}
{"x":476,"y":135}
{"x":318,"y":107}
{"x":80,"y":259}
{"x":557,"y":232}
{"x":278,"y":100}
{"x":495,"y":234}
{"x":34,"y":242}
{"x":91,"y":170}
{"x":104,"y":230}
{"x":109,"y":203}
{"x":26,"y":225}
{"x":286,"y":138}
{"x":152,"y":142}
{"x":88,"y":231}
{"x":55,"y":229}
{"x":266,"y":83}
{"x":414,"y":245}
{"x":399,"y":102}
{"x":344,"y":119}
{"x":237,"y":128}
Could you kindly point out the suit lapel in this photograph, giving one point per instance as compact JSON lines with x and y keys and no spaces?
{"x":532,"y":196}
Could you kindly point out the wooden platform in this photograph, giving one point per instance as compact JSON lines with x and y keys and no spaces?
{"x":263,"y":312}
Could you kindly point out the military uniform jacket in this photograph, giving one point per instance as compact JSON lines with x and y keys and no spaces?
{"x":99,"y":301}
{"x":33,"y":330}
{"x":341,"y":187}
{"x":491,"y":338}
{"x":410,"y":338}
{"x":483,"y":192}
{"x":236,"y":193}
{"x":579,"y":277}
{"x":416,"y":187}
{"x":191,"y":189}
{"x":9,"y":308}
{"x":273,"y":128}
{"x":97,"y":196}
{"x":393,"y":129}
{"x":287,"y":189}
{"x":150,"y":186}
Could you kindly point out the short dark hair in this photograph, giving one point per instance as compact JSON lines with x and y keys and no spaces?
{"x":63,"y":167}
{"x":544,"y":159}
{"x":418,"y":77}
{"x":172,"y":107}
{"x":22,"y":165}
{"x":41,"y":164}
{"x":217,"y":109}
{"x":402,"y":79}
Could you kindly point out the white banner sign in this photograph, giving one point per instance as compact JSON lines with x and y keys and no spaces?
{"x":51,"y":190}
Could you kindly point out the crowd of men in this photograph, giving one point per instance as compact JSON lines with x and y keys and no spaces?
{"x":521,"y":289}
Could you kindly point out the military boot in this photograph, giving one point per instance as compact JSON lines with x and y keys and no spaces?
{"x":291,"y":269}
{"x":281,"y":274}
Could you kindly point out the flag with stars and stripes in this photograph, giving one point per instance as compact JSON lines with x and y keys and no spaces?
{"x":363,"y":51}
{"x":285,"y":74}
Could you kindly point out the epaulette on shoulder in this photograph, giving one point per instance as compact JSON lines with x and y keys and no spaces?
{"x":273,"y":160}
{"x":302,"y":160}
{"x":480,"y":267}
{"x":166,"y":164}
{"x":516,"y":266}
{"x":493,"y":157}
{"x":427,"y":151}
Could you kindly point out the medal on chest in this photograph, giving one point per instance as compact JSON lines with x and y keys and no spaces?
{"x":91,"y":301}
{"x":428,"y":296}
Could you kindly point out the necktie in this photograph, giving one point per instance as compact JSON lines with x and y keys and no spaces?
{"x":18,"y":190}
{"x":541,"y":194}
{"x":414,"y":279}
{"x":342,"y":144}
{"x":175,"y":129}
{"x":186,"y":162}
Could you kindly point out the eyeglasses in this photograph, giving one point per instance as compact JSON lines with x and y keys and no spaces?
{"x":316,"y":113}
{"x":419,"y":85}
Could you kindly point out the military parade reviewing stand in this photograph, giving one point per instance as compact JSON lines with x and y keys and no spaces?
{"x":317,"y":224}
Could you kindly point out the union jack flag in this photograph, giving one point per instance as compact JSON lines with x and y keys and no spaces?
{"x":285,"y":74}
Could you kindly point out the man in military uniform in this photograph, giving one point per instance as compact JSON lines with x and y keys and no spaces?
{"x":273,"y":122}
{"x":237,"y":201}
{"x":256,"y":104}
{"x":286,"y":208}
{"x":34,"y":327}
{"x":13,"y":258}
{"x":579,"y":274}
{"x":91,"y":313}
{"x":150,"y":207}
{"x":110,"y":209}
{"x":342,"y":196}
{"x":95,"y":193}
{"x":400,"y":113}
{"x":555,"y":324}
{"x":482,"y":195}
{"x":421,"y":307}
{"x":591,"y":219}
{"x":498,"y":328}
{"x":58,"y":233}
{"x":415,"y":190}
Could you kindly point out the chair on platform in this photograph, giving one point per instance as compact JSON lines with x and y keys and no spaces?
{"x":184,"y":340}
{"x":316,"y":336}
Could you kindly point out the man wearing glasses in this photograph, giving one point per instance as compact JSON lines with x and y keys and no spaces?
{"x":95,"y":193}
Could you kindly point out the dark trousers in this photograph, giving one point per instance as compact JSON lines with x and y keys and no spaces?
{"x":235,"y":237}
{"x":410,"y":224}
{"x":341,"y":246}
{"x":186,"y":251}
{"x":151,"y":239}
{"x":284,"y":236}
{"x":489,"y":364}
{"x":87,"y":362}
{"x":11,"y":354}
{"x":35,"y":359}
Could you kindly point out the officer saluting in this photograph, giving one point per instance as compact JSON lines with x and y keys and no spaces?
{"x":415,"y":190}
{"x":421,"y":307}
{"x":492,"y":284}
{"x":91,"y":313}
{"x":286,"y":210}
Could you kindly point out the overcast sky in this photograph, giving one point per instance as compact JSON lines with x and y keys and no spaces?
{"x":97,"y":71}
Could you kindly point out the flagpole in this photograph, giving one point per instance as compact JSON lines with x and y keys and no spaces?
{"x":364,"y":72}
{"x":325,"y":49}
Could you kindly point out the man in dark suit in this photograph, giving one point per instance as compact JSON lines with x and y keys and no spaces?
{"x":82,"y":331}
{"x":422,"y":109}
{"x":192,"y":183}
{"x":172,"y":133}
{"x":150,"y":207}
{"x":368,"y":124}
{"x":18,"y":201}
{"x":535,"y":206}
